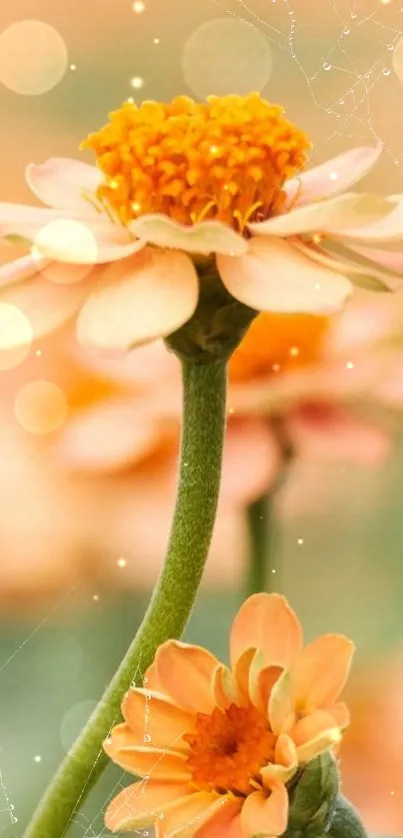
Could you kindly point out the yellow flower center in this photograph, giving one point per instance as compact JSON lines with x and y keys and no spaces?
{"x":229,"y":748}
{"x":277,"y":343}
{"x":226,"y":159}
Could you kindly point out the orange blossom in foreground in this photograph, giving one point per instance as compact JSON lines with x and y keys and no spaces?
{"x":215,"y":746}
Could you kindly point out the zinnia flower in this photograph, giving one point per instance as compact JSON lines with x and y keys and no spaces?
{"x":215,"y":746}
{"x":182,"y":186}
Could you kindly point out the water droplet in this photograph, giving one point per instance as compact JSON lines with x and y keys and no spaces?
{"x":327,"y":66}
{"x":391,"y":47}
{"x":386,"y":71}
{"x":341,"y":101}
{"x":346,"y":31}
{"x":147,"y":737}
{"x":353,"y":15}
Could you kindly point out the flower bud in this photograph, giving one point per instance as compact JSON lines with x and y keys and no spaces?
{"x":313,"y":798}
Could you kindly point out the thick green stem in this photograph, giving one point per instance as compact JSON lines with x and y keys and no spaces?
{"x":204,"y":390}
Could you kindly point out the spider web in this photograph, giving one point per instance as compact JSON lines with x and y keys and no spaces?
{"x":338,"y":54}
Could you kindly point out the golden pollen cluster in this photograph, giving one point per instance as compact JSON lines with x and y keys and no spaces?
{"x":229,"y":748}
{"x":225,"y":159}
{"x":278,"y":343}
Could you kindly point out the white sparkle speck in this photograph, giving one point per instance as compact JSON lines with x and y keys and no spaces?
{"x":137,"y":82}
{"x":95,"y":598}
{"x":300,"y":541}
{"x":121,"y":562}
{"x":334,"y":175}
{"x":294,"y":351}
{"x":38,"y":758}
{"x":350,"y":365}
{"x":156,"y":41}
{"x":38,"y":352}
{"x":73,"y":67}
{"x":138,"y":7}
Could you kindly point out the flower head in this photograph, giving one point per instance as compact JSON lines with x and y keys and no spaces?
{"x":196,"y":209}
{"x":216,"y":746}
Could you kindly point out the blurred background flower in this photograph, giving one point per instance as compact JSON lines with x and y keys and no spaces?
{"x":87,"y":445}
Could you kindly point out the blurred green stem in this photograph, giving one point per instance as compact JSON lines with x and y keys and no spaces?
{"x":260,"y":568}
{"x":262,"y":572}
{"x":204,"y":391}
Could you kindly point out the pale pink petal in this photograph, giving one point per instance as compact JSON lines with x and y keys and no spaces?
{"x":154,"y":718}
{"x":23,"y":221}
{"x":251,"y":460}
{"x":185,"y":673}
{"x":321,"y":671}
{"x":330,"y":431}
{"x":266,"y":815}
{"x":47,"y":305}
{"x":21,"y":269}
{"x":145,"y":297}
{"x":266,"y":622}
{"x":389,"y":259}
{"x":366,"y":275}
{"x":223,"y":823}
{"x":204,"y":238}
{"x":108,"y":435}
{"x":139,"y":804}
{"x":275,"y":276}
{"x":332,"y":215}
{"x":63,"y":183}
{"x":334,"y":176}
{"x":387,"y":228}
{"x":85,"y":242}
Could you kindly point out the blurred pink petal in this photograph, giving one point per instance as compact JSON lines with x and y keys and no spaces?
{"x":331,"y":432}
{"x":384,"y":229}
{"x":63,"y":183}
{"x":350,"y":167}
{"x":20,"y":269}
{"x":251,"y":461}
{"x":331,"y":215}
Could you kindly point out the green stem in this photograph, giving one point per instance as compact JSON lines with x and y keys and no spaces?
{"x":263,"y":570}
{"x":259,"y":573}
{"x":204,"y":388}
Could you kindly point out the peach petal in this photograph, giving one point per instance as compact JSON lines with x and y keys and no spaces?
{"x":190,"y":814}
{"x":266,"y":622}
{"x":185,"y":673}
{"x":223,"y":823}
{"x":241,"y":668}
{"x":162,"y":766}
{"x":340,"y":714}
{"x":152,"y":715}
{"x":318,"y":182}
{"x":147,"y":296}
{"x":63,"y":182}
{"x":261,"y":683}
{"x":224,"y":688}
{"x":276,"y":276}
{"x":138,"y":805}
{"x":151,"y":680}
{"x":204,"y":238}
{"x":266,"y":815}
{"x":104,"y":438}
{"x":285,"y":752}
{"x":325,"y":741}
{"x":281,"y":705}
{"x":366,"y":275}
{"x":85,"y":242}
{"x":331,"y":215}
{"x":321,"y":671}
{"x":311,"y":726}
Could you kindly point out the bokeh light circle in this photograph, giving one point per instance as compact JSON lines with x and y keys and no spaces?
{"x":41,"y":407}
{"x":16,"y":335}
{"x":33,"y":57}
{"x":397,"y":59}
{"x":226,"y":56}
{"x":70,"y":242}
{"x":74,"y":720}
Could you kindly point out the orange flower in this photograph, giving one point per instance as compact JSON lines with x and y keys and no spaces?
{"x":215,"y":746}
